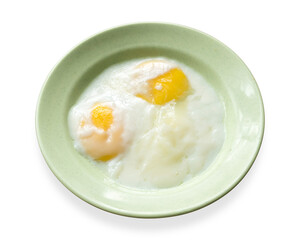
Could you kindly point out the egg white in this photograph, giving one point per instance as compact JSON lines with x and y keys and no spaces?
{"x":165,"y":145}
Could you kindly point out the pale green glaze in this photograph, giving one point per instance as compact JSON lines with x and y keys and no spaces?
{"x":222,"y":68}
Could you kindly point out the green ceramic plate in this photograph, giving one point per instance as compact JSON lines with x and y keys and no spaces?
{"x":222,"y":68}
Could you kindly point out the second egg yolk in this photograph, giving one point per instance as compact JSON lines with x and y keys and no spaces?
{"x":171,"y":85}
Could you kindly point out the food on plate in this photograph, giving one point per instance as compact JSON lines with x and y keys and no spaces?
{"x":149,"y":123}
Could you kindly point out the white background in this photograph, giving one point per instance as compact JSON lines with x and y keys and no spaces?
{"x":36,"y":34}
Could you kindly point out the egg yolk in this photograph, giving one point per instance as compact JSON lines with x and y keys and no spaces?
{"x":102,"y":117}
{"x":107,"y":144}
{"x":172,"y":85}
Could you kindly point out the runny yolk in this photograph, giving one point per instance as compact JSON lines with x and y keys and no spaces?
{"x":169,"y":86}
{"x":102,"y":117}
{"x":104,"y":145}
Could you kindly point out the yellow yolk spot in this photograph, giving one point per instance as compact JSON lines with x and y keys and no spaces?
{"x":104,"y":145}
{"x":169,"y":86}
{"x":102,"y":117}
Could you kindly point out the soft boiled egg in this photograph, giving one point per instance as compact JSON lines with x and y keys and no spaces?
{"x":103,"y":140}
{"x":148,"y":123}
{"x":98,"y":130}
{"x":170,"y":83}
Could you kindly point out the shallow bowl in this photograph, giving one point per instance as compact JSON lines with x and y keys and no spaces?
{"x":220,"y":66}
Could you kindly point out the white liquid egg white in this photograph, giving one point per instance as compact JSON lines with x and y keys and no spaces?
{"x":165,"y":145}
